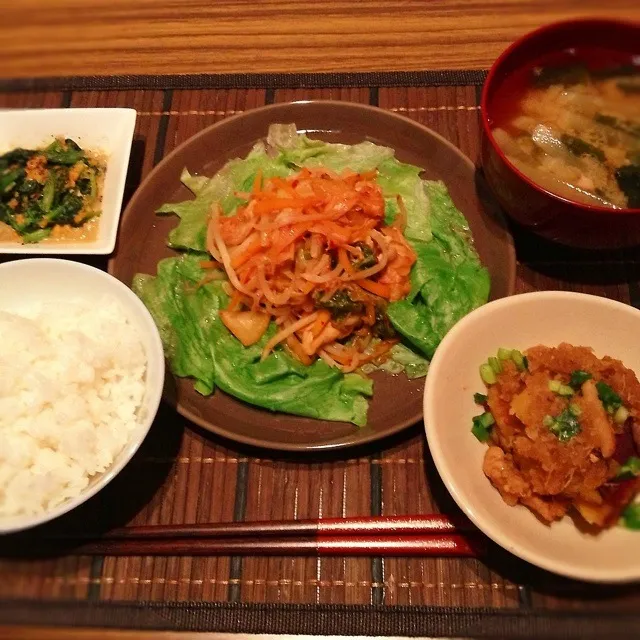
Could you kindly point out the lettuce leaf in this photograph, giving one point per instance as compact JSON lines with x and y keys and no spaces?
{"x":236,"y":175}
{"x":401,"y":359}
{"x":447,"y":281}
{"x":199,"y":346}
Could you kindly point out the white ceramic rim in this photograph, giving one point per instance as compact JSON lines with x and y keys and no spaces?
{"x":448,"y":473}
{"x":153,"y":404}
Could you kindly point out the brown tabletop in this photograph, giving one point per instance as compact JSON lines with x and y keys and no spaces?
{"x":76,"y":37}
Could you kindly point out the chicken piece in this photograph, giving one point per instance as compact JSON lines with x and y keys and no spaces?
{"x":549,"y":509}
{"x":596,"y":421}
{"x":504,"y":476}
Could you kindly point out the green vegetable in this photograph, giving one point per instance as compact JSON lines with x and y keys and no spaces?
{"x":9,"y":178}
{"x":67,"y":153}
{"x":494,"y":363}
{"x":564,"y":426}
{"x":382,"y":327}
{"x":479,"y":398}
{"x":448,"y":280}
{"x":401,"y":359}
{"x":340,"y":304}
{"x":621,"y":70}
{"x":631,"y":517}
{"x":504,"y":354}
{"x":36,"y":236}
{"x":626,"y":126}
{"x":579,"y":147}
{"x":630,"y":469}
{"x":28,"y":187}
{"x":561,"y":389}
{"x":487,"y":374}
{"x":628,"y":86}
{"x":611,"y":401}
{"x":482,"y":426}
{"x":368,"y":257}
{"x":16,"y":156}
{"x":628,"y":179}
{"x":519,"y":360}
{"x":65,"y":212}
{"x":578,"y":378}
{"x":34,"y":206}
{"x":48,"y":193}
{"x":199,"y":346}
{"x":566,"y":75}
{"x":575,"y":410}
{"x":621,"y":415}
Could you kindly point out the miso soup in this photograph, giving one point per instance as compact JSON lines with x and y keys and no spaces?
{"x":574,"y":128}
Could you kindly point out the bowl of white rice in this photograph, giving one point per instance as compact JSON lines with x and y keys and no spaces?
{"x":81,"y":377}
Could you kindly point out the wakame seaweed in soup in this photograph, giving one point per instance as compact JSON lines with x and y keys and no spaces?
{"x":574,"y":128}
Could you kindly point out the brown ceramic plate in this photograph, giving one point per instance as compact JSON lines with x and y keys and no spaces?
{"x":397,"y":402}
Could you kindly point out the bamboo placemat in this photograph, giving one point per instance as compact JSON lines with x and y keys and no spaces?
{"x":183,"y":474}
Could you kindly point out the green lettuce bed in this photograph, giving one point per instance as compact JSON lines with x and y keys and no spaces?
{"x":448,"y":281}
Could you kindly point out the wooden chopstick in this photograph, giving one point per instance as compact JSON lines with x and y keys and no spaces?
{"x":427,"y":535}
{"x":434,"y":545}
{"x":433,"y":524}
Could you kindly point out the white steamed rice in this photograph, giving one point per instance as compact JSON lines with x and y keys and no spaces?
{"x":71,"y":388}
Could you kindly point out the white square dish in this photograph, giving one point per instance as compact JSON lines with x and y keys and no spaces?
{"x":108,"y":131}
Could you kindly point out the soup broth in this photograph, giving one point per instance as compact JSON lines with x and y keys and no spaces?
{"x":574,"y":128}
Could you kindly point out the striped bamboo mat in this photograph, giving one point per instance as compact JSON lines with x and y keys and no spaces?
{"x":183,"y":474}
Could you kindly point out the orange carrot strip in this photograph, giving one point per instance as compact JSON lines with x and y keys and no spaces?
{"x":377,"y":288}
{"x":236,"y":301}
{"x":343,"y":259}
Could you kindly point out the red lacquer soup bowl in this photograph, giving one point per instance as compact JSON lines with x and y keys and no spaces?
{"x":597,"y":44}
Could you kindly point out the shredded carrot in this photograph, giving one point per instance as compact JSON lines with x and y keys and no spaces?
{"x":378,"y":289}
{"x":343,"y":258}
{"x":288,"y":252}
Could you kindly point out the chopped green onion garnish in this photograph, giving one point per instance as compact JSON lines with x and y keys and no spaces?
{"x":504,"y":354}
{"x":561,"y":389}
{"x":479,"y":398}
{"x":578,"y":378}
{"x":482,"y":425}
{"x":609,"y":398}
{"x":487,"y":374}
{"x":630,"y":469}
{"x":564,"y":426}
{"x":621,"y":415}
{"x":519,"y":360}
{"x":495,"y":364}
{"x":575,"y":409}
{"x":631,"y":517}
